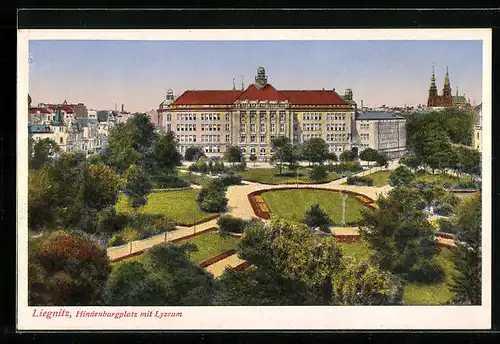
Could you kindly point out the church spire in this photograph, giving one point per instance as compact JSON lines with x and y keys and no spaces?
{"x":433,"y":79}
{"x":447,"y":78}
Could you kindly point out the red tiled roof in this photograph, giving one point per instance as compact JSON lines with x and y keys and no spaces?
{"x":313,"y":97}
{"x":211,"y":97}
{"x":268,"y":92}
{"x":39,"y":110}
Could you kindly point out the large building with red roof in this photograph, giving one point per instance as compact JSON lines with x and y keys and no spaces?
{"x":251,"y":118}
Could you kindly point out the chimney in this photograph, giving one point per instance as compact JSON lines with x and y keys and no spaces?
{"x":122,"y":107}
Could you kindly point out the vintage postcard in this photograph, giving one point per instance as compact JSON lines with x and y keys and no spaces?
{"x":254,"y":179}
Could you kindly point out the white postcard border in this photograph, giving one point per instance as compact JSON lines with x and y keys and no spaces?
{"x":285,"y":318}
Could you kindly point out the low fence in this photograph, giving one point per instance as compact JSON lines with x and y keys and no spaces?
{"x":216,"y":258}
{"x":171,"y":189}
{"x":206,"y":219}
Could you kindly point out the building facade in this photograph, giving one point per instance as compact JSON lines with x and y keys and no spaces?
{"x":382,"y":131}
{"x":251,"y":118}
{"x":478,"y":127}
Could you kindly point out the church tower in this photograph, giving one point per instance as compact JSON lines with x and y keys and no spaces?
{"x":447,"y":90}
{"x":433,"y":95}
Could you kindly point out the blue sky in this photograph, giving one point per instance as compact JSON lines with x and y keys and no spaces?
{"x":138,"y":73}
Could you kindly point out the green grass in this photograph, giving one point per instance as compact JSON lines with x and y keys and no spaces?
{"x":180,"y":206}
{"x":380,"y":178}
{"x":193,"y":178}
{"x":432,"y":294}
{"x":440,"y":178}
{"x":270,"y":176}
{"x":292,"y":204}
{"x":415,"y":293}
{"x":209,"y":245}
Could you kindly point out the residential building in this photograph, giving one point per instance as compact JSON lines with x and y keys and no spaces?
{"x":251,"y":118}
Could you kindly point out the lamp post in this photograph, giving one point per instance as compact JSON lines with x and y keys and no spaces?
{"x":343,"y":197}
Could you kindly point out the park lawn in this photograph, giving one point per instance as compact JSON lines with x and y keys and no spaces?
{"x":292,"y":204}
{"x":432,"y":294}
{"x":180,"y":206}
{"x":379,"y":178}
{"x":440,"y":178}
{"x":193,"y":178}
{"x":270,"y":176}
{"x":208,"y":244}
{"x":414,"y":293}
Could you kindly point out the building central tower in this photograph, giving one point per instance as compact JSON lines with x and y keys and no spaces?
{"x":261,"y":78}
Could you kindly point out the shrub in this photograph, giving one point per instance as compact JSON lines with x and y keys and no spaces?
{"x":214,"y":204}
{"x":136,"y":202}
{"x":444,"y":209}
{"x":230,"y":179}
{"x":165,"y":182}
{"x":193,"y":168}
{"x":130,"y":234}
{"x":347,"y":166}
{"x":116,"y":240}
{"x":427,"y":272}
{"x":401,"y":176}
{"x":318,"y":173}
{"x":193,"y":154}
{"x":360,"y":181}
{"x":230,"y":224}
{"x":446,"y":225}
{"x":466,"y":185}
{"x":111,"y":222}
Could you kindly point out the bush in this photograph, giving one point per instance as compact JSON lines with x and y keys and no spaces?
{"x":116,"y":240}
{"x":348,"y":166}
{"x":230,"y":224}
{"x":136,"y":202}
{"x":318,"y":173}
{"x":401,"y":176}
{"x":166,"y":182}
{"x":193,"y":154}
{"x":446,"y":225}
{"x":214,"y":203}
{"x":193,"y":168}
{"x":111,"y":222}
{"x":130,"y":234}
{"x":427,"y":272}
{"x":230,"y":179}
{"x":359,"y":181}
{"x":444,"y":209}
{"x":467,"y":185}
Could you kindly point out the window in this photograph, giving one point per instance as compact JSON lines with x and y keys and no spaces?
{"x":243,"y":127}
{"x":282,"y":127}
{"x":60,"y":140}
{"x":252,"y":128}
{"x":273,"y":115}
{"x":227,"y":138}
{"x":282,"y":116}
{"x":273,"y":127}
{"x":262,"y":138}
{"x":227,"y":127}
{"x":242,"y":138}
{"x":262,"y":151}
{"x":263,"y":127}
{"x":252,"y":151}
{"x":252,"y":138}
{"x":227,"y":117}
{"x":252,"y":115}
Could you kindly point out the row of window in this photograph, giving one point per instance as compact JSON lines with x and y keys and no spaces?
{"x":210,"y":127}
{"x":307,"y":137}
{"x":262,"y":128}
{"x":335,"y":117}
{"x":336,"y":137}
{"x":364,"y":126}
{"x":335,"y":127}
{"x":262,"y":114}
{"x":337,"y":149}
{"x":262,"y":138}
{"x":311,"y":116}
{"x":186,"y":138}
{"x":186,"y":127}
{"x":203,"y":117}
{"x":210,"y":138}
{"x":253,"y":151}
{"x":311,"y":126}
{"x":364,"y":136}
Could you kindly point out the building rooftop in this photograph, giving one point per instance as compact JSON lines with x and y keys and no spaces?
{"x":39,"y":129}
{"x":377,"y":115}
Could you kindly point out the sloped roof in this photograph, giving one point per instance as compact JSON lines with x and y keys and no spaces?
{"x":458,"y":100}
{"x":208,"y":97}
{"x":267,"y":93}
{"x":311,"y":97}
{"x":37,"y":128}
{"x":39,"y":110}
{"x":376,"y":115}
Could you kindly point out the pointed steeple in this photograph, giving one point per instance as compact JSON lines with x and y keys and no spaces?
{"x":447,"y":78}
{"x":433,"y":80}
{"x":234,"y":86}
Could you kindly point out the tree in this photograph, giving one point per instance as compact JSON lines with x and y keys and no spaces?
{"x":164,"y":156}
{"x":369,"y":154}
{"x":253,"y":158}
{"x":66,"y":268}
{"x":290,"y":254}
{"x":193,"y":154}
{"x":41,"y":200}
{"x":315,"y":151}
{"x":100,"y":187}
{"x":411,"y":161}
{"x":398,"y":231}
{"x":382,"y":161}
{"x":469,"y":161}
{"x":318,"y":173}
{"x":120,"y":151}
{"x":136,"y":185}
{"x":361,"y":283}
{"x":285,"y":153}
{"x":332,"y":157}
{"x":212,"y":196}
{"x":230,"y":224}
{"x":349,"y":155}
{"x":466,"y":283}
{"x":43,"y":151}
{"x":318,"y":218}
{"x":143,"y":132}
{"x":165,"y":277}
{"x":233,"y":154}
{"x":401,"y":176}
